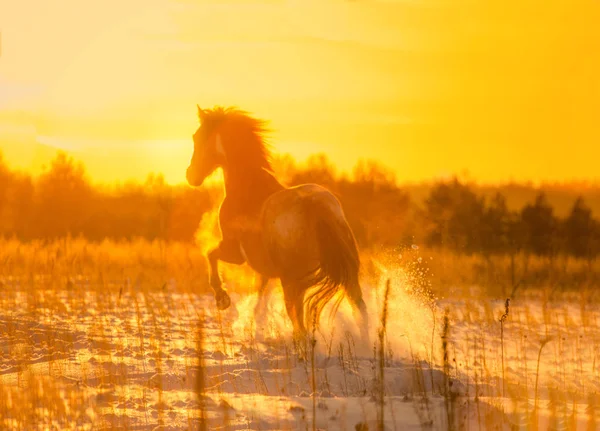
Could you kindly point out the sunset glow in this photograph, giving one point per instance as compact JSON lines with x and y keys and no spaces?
{"x":299,"y":214}
{"x":503,"y":90}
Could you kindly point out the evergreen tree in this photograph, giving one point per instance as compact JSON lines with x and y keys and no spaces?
{"x":579,"y":229}
{"x":540,"y":226}
{"x":496,"y":226}
{"x":456,"y":217}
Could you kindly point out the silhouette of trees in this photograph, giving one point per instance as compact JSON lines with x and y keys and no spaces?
{"x":374,"y":205}
{"x":461,"y":221}
{"x":456,"y":217}
{"x":453,"y":215}
{"x":498,"y":230}
{"x":63,"y":199}
{"x":16,"y":202}
{"x":540,"y":227}
{"x":19,"y":220}
{"x":62,"y":202}
{"x":153,"y":210}
{"x":5,"y":187}
{"x":318,"y":169}
{"x":581,"y":231}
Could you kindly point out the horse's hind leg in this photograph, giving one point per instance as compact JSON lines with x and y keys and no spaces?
{"x":293,"y":294}
{"x":359,"y":310}
{"x":260,"y":309}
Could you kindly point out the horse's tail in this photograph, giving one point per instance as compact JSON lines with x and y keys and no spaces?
{"x":339,"y":262}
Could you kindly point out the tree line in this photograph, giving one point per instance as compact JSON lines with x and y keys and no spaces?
{"x":63,"y":202}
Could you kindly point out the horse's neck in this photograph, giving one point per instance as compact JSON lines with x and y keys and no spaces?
{"x":250,"y":189}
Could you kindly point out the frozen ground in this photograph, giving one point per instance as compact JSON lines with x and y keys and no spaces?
{"x":119,"y":356}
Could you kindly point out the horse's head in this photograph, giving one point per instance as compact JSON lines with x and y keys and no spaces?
{"x":209,"y":153}
{"x":227,"y":138}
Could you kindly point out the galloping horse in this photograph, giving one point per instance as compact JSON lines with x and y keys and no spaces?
{"x":297,"y":234}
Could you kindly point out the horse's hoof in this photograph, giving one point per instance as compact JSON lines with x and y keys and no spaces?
{"x":223,"y":300}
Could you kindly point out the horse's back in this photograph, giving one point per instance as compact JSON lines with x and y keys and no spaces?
{"x":288,"y":210}
{"x":290,"y":220}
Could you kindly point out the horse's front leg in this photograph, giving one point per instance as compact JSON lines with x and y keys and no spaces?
{"x":228,"y":251}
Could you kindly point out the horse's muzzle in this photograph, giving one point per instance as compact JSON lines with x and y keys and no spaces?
{"x":192,"y":178}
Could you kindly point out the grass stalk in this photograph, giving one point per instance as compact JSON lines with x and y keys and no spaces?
{"x":382,"y":332}
{"x":502,"y":319}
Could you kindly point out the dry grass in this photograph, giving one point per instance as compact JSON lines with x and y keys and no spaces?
{"x":496,"y":277}
{"x":126,"y":336}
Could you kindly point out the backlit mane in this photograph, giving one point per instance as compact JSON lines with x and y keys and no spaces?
{"x":244,"y":137}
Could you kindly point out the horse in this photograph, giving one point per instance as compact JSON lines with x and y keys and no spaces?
{"x":297,"y":234}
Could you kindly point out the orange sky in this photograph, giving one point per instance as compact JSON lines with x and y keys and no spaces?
{"x":504,"y":90}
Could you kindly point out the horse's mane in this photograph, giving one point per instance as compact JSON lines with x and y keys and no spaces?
{"x":246,"y":144}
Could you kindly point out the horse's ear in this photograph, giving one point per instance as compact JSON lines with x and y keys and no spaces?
{"x":201,"y":113}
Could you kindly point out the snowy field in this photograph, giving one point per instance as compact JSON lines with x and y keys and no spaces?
{"x":88,"y":352}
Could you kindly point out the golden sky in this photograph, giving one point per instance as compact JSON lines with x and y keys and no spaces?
{"x":502,"y":89}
